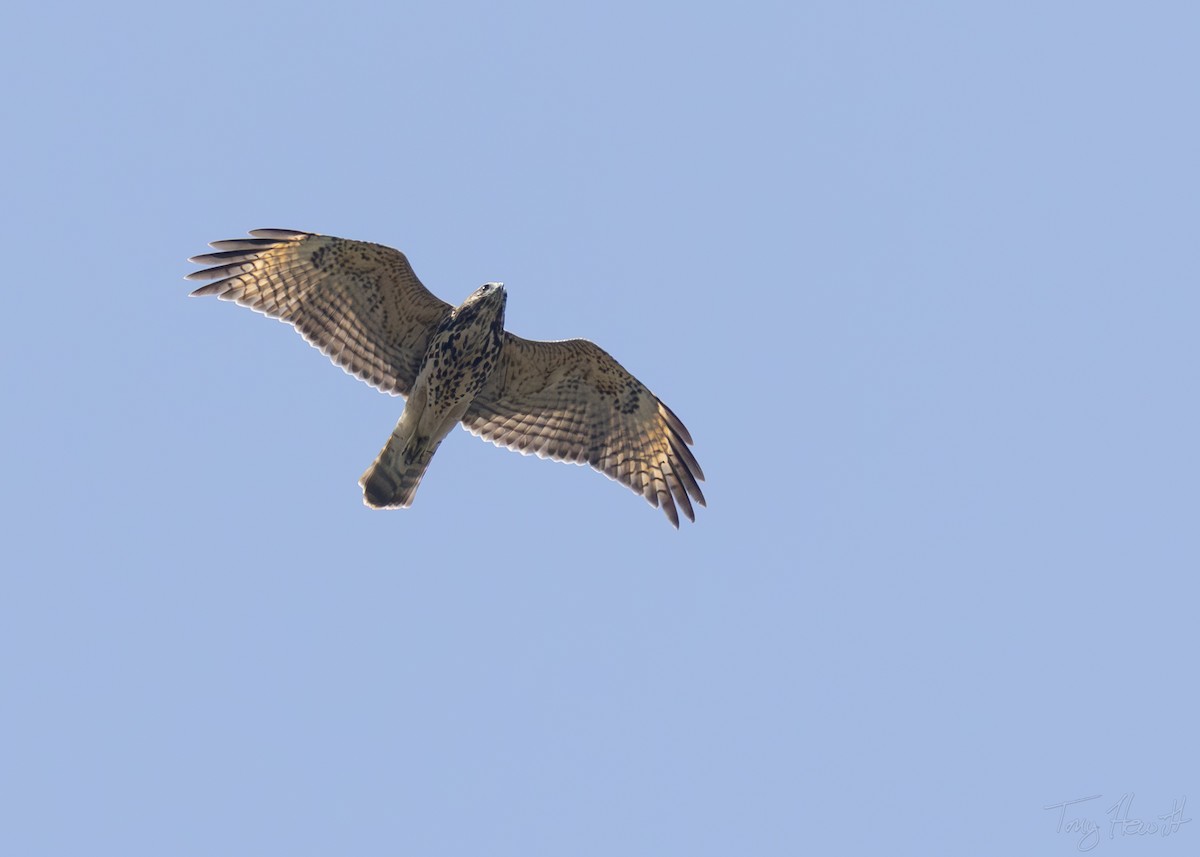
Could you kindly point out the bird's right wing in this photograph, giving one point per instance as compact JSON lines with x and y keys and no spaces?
{"x":572,"y":401}
{"x":360,"y":303}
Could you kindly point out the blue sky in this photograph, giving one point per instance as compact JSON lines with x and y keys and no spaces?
{"x":920,"y":278}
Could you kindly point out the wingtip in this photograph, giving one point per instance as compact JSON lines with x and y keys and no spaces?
{"x":207,"y":289}
{"x":674,"y":422}
{"x":284,"y":234}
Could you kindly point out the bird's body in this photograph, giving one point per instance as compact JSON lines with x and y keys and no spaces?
{"x":364,"y":307}
{"x":461,"y":356}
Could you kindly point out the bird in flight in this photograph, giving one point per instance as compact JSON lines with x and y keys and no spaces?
{"x":362,"y":305}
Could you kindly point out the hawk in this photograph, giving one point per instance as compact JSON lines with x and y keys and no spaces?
{"x":362,"y":305}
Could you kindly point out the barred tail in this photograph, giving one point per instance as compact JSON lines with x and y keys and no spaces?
{"x":391,"y":482}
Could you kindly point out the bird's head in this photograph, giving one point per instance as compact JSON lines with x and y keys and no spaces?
{"x":486,"y":302}
{"x":490,"y":297}
{"x":493,"y":290}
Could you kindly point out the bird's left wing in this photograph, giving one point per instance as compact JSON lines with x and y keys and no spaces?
{"x":360,"y":303}
{"x":571,"y":401}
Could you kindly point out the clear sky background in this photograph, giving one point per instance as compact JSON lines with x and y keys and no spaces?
{"x":921,"y":278}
